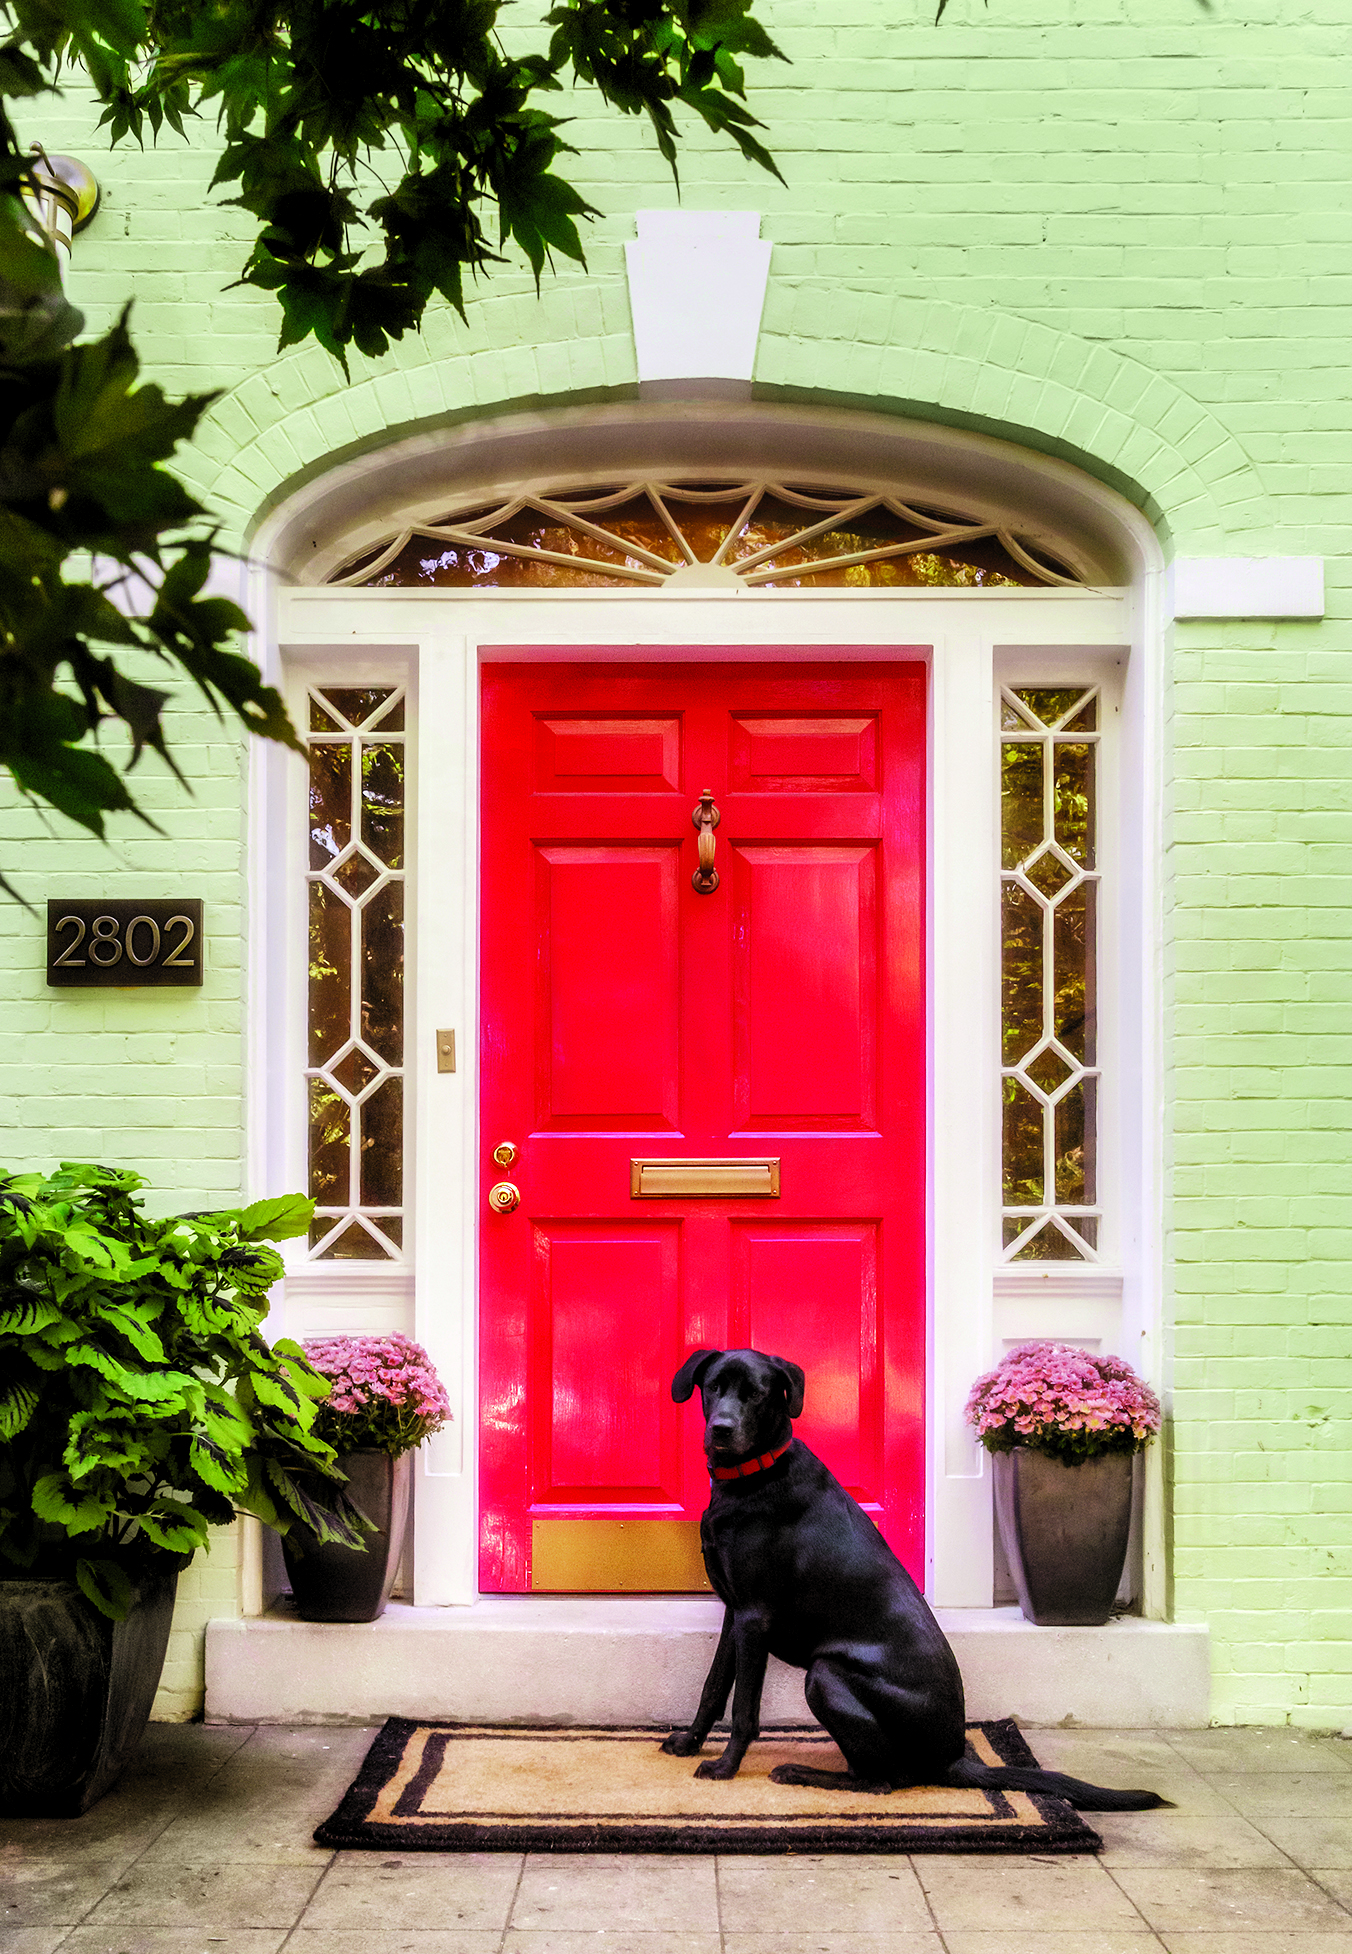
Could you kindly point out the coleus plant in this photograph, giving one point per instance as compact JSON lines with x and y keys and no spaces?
{"x":139,"y":1403}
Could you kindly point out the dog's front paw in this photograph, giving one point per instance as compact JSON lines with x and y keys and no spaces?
{"x":682,"y":1743}
{"x":792,"y":1774}
{"x":716,"y":1767}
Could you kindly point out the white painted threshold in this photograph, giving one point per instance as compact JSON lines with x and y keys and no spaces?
{"x":535,"y":1659}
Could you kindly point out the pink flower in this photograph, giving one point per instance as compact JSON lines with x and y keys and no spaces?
{"x":386,"y":1394}
{"x":1063,"y":1400}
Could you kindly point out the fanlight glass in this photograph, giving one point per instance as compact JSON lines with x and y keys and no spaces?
{"x":766,"y":535}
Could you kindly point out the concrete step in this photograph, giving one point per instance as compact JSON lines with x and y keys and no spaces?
{"x":612,"y":1660}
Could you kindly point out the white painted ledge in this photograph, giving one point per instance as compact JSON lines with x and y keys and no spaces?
{"x":586,"y":1660}
{"x":696,"y":291}
{"x":1246,"y":586}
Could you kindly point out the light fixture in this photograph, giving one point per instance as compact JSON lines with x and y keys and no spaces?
{"x":63,"y":198}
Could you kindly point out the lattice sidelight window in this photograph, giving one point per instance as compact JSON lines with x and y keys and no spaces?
{"x":355,"y":1069}
{"x":771,"y":535}
{"x":1048,"y":926}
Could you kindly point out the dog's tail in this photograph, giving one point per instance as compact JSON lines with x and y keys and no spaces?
{"x":1019,"y":1777}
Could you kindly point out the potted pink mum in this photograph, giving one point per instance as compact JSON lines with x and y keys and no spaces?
{"x":1064,"y":1426}
{"x":385,"y":1399}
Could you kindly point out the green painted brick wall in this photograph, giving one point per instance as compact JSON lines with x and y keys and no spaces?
{"x":1118,"y":229}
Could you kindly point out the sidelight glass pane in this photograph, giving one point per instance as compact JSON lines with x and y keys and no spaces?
{"x":330,"y":801}
{"x":1073,"y":801}
{"x":354,"y":1244}
{"x":1023,"y":1139}
{"x":1021,"y":971}
{"x":382,"y":802}
{"x":330,"y":972}
{"x":1069,"y":1114}
{"x":329,"y":1131}
{"x":355,"y":1043}
{"x":1047,"y":1245}
{"x":1050,"y":704}
{"x":1048,"y":916}
{"x":382,"y":973}
{"x":382,"y":1145}
{"x":1021,"y":813}
{"x":357,"y":704}
{"x":1073,"y":954}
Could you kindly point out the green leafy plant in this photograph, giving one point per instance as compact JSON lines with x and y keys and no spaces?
{"x":139,"y":1404}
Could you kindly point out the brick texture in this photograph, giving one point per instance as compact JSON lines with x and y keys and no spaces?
{"x":1118,"y":230}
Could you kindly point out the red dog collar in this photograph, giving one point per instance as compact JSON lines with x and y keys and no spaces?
{"x":748,"y":1466}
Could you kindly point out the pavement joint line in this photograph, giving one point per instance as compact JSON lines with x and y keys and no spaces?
{"x":511,"y":1904}
{"x":929,"y":1904}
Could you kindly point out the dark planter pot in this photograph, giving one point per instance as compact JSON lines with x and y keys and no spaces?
{"x":75,"y":1691}
{"x":342,"y":1584}
{"x":1065,"y":1533}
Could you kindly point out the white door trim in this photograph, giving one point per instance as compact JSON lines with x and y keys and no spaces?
{"x":442,"y":637}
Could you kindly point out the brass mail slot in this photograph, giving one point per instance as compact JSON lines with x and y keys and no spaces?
{"x":617,"y":1557}
{"x":668,"y":1180}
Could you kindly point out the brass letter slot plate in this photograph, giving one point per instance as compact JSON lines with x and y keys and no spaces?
{"x":669,"y":1180}
{"x":617,"y":1557}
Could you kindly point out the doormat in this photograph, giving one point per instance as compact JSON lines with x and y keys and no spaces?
{"x":437,"y":1787}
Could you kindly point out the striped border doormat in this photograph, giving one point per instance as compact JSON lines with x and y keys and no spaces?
{"x":437,"y":1787}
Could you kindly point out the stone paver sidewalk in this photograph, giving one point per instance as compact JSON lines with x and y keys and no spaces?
{"x":205,"y":1849}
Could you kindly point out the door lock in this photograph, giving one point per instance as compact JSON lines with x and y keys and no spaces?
{"x":504,"y":1153}
{"x":503,"y":1196}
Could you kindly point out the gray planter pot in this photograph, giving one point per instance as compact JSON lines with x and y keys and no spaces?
{"x":1065,"y":1533}
{"x":330,"y":1583}
{"x":75,"y":1691}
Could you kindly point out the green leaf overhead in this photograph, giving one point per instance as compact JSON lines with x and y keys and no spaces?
{"x":386,"y":150}
{"x":388,"y":153}
{"x":83,"y":448}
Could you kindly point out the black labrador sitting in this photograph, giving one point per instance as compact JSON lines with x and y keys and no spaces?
{"x":806,"y":1576}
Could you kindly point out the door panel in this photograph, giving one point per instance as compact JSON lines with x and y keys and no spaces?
{"x":627,"y":1016}
{"x":607,"y":1431}
{"x":585,"y":754}
{"x":793,"y":752}
{"x":607,"y":956}
{"x":805,"y":958}
{"x":814,"y":1287}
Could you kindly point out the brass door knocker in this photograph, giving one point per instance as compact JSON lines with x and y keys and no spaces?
{"x":706,"y":818}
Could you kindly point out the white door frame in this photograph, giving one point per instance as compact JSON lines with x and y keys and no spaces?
{"x":438,"y":640}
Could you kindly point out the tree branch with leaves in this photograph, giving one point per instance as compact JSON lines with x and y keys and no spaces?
{"x":315,"y":104}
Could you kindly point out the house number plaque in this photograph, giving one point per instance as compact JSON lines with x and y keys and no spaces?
{"x":112,"y":944}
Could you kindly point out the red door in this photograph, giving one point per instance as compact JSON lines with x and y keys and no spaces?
{"x":777,"y":1021}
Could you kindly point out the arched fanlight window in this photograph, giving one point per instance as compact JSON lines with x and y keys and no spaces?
{"x":760,"y":534}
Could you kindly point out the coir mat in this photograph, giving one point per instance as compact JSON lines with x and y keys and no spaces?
{"x":438,"y":1787}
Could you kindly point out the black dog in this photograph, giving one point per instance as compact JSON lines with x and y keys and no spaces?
{"x":805,"y":1575}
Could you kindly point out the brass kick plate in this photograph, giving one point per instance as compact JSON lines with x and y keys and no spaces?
{"x":666,"y":1180}
{"x":617,"y":1557}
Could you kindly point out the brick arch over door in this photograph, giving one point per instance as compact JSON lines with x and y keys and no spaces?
{"x":964,"y":366}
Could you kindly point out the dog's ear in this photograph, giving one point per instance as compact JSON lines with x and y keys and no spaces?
{"x":794,"y":1382}
{"x":691,"y":1374}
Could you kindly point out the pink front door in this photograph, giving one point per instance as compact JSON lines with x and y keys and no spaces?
{"x":629,"y":1018}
